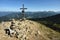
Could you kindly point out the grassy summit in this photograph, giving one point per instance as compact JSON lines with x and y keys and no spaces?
{"x":29,"y":30}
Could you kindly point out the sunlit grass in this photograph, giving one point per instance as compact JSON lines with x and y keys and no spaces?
{"x":49,"y":33}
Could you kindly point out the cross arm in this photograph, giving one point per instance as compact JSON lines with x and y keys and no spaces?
{"x":23,"y":8}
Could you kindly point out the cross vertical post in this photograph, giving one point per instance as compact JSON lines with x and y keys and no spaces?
{"x":23,"y":11}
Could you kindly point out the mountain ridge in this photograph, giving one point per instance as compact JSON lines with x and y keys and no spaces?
{"x":18,"y":15}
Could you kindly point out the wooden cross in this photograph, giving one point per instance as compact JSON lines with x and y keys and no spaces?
{"x":23,"y":11}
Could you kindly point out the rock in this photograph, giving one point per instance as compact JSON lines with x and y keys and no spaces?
{"x":21,"y":20}
{"x":20,"y":36}
{"x":16,"y":35}
{"x":31,"y":23}
{"x":24,"y":36}
{"x":10,"y":32}
{"x":13,"y":20}
{"x":19,"y":23}
{"x":27,"y":38}
{"x":39,"y":32}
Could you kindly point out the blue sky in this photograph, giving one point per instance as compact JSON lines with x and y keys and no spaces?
{"x":32,"y":5}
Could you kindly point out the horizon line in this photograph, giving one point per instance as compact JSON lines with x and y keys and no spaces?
{"x":30,"y":11}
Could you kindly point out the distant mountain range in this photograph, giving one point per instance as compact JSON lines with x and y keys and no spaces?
{"x":10,"y":15}
{"x":55,"y":18}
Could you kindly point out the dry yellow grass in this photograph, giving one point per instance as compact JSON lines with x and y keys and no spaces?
{"x":36,"y":30}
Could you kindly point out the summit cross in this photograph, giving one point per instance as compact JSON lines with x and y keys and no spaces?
{"x":23,"y":11}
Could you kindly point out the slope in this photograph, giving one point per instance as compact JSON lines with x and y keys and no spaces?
{"x":30,"y":30}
